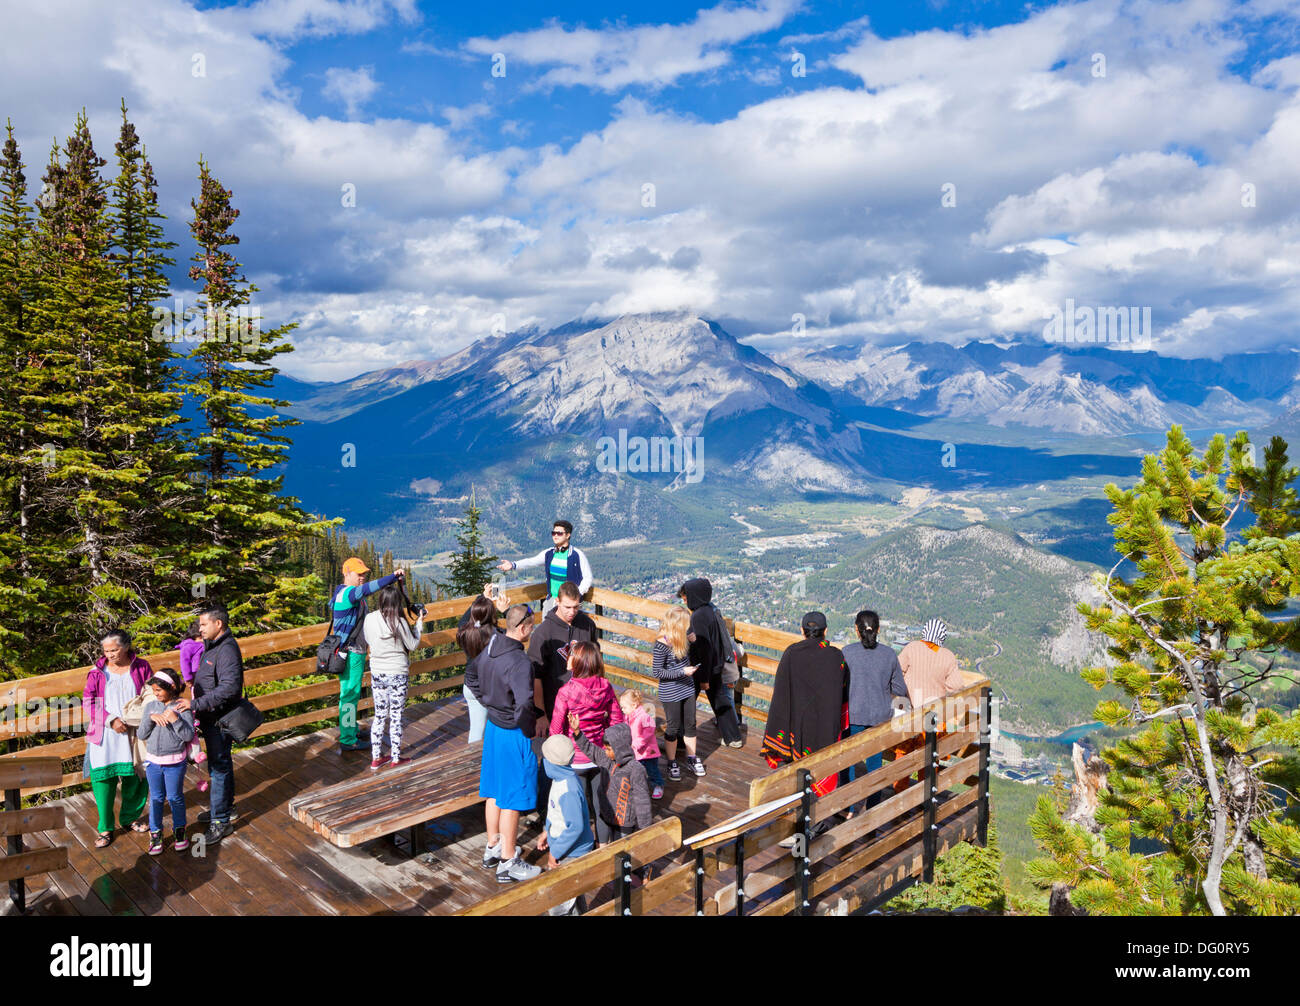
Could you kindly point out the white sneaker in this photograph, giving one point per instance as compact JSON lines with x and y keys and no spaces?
{"x":492,"y":855}
{"x":512,"y":870}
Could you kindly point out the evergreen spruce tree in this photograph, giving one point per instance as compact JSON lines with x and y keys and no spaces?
{"x":24,"y":607}
{"x":1208,"y":776}
{"x":140,"y":257}
{"x":468,"y":569}
{"x":964,"y":875}
{"x":86,"y":406}
{"x":247,"y":524}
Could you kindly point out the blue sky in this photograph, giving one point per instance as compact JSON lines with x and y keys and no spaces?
{"x":940,"y":171}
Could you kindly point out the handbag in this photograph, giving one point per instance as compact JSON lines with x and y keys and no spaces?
{"x":240,"y":722}
{"x":730,"y":666}
{"x":330,"y":655}
{"x":132,"y":715}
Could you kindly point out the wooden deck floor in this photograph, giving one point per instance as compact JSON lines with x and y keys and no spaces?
{"x":274,"y":865}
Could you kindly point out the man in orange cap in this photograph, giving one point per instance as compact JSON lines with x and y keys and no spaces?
{"x":348,"y":607}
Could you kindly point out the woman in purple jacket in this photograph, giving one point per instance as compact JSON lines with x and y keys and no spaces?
{"x":116,"y":678}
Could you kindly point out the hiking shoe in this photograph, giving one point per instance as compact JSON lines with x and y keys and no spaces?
{"x":155,"y":843}
{"x":217,"y":831}
{"x":492,"y":855}
{"x":179,"y":842}
{"x":696,"y":764}
{"x":205,"y":817}
{"x":674,"y":771}
{"x":376,"y":764}
{"x":657,"y":793}
{"x":511,"y":871}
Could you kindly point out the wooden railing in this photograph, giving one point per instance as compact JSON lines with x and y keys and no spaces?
{"x":15,"y":822}
{"x":859,"y":862}
{"x":61,"y":691}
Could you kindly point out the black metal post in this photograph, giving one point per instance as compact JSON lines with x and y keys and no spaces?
{"x":13,"y":846}
{"x":986,"y":741}
{"x":624,"y":883}
{"x":740,"y":876}
{"x":699,"y":881}
{"x":803,"y":864}
{"x":929,"y":837}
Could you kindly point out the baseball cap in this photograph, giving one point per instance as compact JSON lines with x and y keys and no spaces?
{"x":558,"y":749}
{"x":355,"y":565}
{"x":813,"y":620}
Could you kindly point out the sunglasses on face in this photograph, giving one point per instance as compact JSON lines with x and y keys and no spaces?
{"x":558,"y":534}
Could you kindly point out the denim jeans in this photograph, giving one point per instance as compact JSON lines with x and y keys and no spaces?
{"x":221,"y":770}
{"x":652,"y":774}
{"x":166,"y":786}
{"x":872,"y":763}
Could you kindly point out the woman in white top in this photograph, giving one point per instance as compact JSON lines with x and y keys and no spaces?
{"x":390,"y":639}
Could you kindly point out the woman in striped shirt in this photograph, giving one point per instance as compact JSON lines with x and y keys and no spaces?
{"x":677,"y":688}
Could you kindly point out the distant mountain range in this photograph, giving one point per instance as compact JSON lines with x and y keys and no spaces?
{"x":528,"y":410}
{"x":1083,"y":390}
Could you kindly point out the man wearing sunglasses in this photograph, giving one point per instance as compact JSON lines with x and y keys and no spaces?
{"x":562,"y":563}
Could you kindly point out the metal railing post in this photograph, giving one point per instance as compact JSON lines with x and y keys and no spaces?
{"x":803,"y":863}
{"x":929,"y":837}
{"x":740,"y":876}
{"x":699,"y":881}
{"x":624,"y":883}
{"x":13,"y":846}
{"x":986,"y":740}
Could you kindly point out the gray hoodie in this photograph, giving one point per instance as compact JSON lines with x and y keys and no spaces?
{"x":168,"y":739}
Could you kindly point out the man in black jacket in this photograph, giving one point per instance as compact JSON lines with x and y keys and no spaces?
{"x":217,"y":687}
{"x":708,"y":651}
{"x":548,"y":647}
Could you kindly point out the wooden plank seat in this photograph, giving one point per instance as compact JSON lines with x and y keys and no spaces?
{"x":393,"y":799}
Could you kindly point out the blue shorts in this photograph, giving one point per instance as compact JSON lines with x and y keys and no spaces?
{"x":509,"y":772}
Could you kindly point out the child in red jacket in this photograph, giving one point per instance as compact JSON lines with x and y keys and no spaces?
{"x":592,"y":699}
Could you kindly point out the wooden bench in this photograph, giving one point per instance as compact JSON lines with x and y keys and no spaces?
{"x":15,"y":822}
{"x":393,"y":800}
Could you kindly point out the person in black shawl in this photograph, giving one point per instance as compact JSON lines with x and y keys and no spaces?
{"x":809,"y":700}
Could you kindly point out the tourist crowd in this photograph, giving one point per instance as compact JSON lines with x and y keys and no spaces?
{"x":532,"y":687}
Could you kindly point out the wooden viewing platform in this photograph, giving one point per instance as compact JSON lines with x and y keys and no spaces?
{"x":276,"y":864}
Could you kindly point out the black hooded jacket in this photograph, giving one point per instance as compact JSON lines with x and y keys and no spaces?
{"x":708,"y":650}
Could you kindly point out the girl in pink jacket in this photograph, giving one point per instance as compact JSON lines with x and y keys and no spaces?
{"x":641,"y":718}
{"x":593,"y":700}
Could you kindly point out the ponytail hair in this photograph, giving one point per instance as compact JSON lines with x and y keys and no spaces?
{"x":868,"y":625}
{"x":478,"y":631}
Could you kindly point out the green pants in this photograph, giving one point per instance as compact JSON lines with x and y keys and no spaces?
{"x":135,"y":794}
{"x":349,"y":693}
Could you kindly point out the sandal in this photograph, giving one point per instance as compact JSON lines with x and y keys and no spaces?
{"x":103,"y":840}
{"x":140,"y":826}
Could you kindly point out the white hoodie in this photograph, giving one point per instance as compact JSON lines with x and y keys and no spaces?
{"x":387,"y":654}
